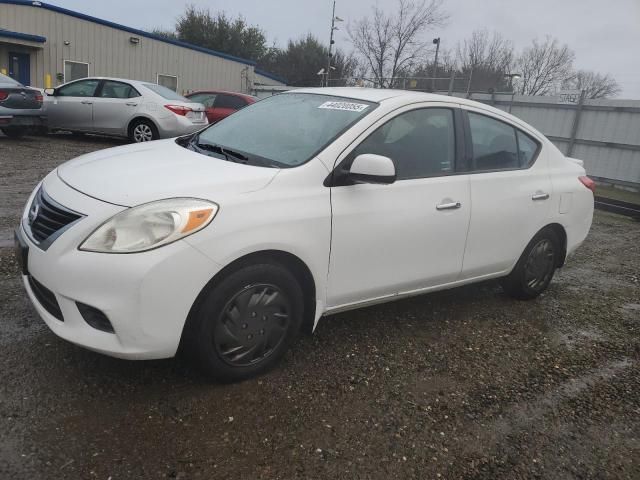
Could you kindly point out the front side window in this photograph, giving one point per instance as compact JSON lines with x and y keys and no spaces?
{"x":206,"y":99}
{"x":229,"y":101}
{"x":111,"y":89}
{"x":494,"y":144}
{"x":75,"y":70}
{"x":82,"y":88}
{"x":287,"y":129}
{"x":421,"y":143}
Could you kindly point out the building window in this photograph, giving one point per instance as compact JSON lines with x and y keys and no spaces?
{"x":169,"y":81}
{"x":75,"y":70}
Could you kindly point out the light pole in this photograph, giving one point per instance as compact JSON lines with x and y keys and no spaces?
{"x":334,"y":19}
{"x":511,"y":76}
{"x":436,"y":42}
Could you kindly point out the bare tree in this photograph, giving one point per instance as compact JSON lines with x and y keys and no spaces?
{"x":594,"y":84}
{"x":395,"y":43}
{"x":544,"y":67}
{"x":485,"y":58}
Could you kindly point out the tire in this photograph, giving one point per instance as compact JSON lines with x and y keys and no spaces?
{"x":245,"y":323}
{"x":535,"y":268}
{"x":143,"y":131}
{"x":14,"y":132}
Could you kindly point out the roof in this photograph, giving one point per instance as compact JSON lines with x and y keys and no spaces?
{"x":217,"y":92}
{"x":135,"y":31}
{"x":259,"y":71}
{"x":403,"y":97}
{"x":373,"y":94}
{"x":22,"y":36}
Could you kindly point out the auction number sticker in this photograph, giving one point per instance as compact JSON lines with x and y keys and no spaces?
{"x":349,"y":106}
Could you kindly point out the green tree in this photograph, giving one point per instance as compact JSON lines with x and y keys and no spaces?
{"x":302,"y":59}
{"x":219,"y":32}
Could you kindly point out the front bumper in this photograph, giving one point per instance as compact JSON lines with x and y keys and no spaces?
{"x":146,"y":296}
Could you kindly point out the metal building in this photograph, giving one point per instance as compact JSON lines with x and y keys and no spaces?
{"x":43,"y":45}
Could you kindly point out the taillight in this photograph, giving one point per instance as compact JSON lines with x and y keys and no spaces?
{"x":3,"y":95}
{"x":587,"y":182}
{"x":39,"y":98}
{"x":178,"y":109}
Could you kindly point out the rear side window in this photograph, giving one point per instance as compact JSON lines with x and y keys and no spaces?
{"x":111,"y":89}
{"x":229,"y":101}
{"x":494,"y":144}
{"x":420,"y":142}
{"x":527,"y":149}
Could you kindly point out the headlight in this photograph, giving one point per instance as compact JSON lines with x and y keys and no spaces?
{"x":150,"y":225}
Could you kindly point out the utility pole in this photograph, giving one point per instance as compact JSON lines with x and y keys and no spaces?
{"x":436,"y":42}
{"x":331,"y":42}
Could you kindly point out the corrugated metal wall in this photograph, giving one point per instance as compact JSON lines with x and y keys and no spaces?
{"x":110,"y":53}
{"x":607,"y":136}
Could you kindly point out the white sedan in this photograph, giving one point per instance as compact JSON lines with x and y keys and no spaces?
{"x":226,"y":243}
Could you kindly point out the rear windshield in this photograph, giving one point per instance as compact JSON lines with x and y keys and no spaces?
{"x":9,"y":81}
{"x":165,"y":92}
{"x":289,"y":129}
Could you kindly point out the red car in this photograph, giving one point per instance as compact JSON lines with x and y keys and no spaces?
{"x":219,"y":104}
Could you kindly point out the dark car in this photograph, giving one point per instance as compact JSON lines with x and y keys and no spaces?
{"x":20,"y":108}
{"x":220,"y":104}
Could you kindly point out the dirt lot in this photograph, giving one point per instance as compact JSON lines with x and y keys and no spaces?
{"x":460,"y":384}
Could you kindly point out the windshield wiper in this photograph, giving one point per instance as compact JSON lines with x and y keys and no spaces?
{"x":229,"y":154}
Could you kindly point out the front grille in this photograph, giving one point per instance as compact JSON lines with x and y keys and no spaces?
{"x":46,"y":298}
{"x":46,"y":216}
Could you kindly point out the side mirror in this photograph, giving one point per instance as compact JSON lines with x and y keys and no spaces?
{"x":370,"y":168}
{"x":50,"y":91}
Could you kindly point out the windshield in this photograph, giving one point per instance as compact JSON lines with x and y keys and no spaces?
{"x":165,"y":92}
{"x":287,"y":129}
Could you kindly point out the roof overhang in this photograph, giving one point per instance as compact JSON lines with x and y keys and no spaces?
{"x":8,"y":37}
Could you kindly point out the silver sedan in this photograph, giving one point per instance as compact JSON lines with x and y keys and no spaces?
{"x":20,"y":108}
{"x":141,"y":111}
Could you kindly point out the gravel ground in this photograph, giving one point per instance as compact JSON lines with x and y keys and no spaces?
{"x":460,"y":384}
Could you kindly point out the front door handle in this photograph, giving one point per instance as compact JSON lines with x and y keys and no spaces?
{"x":86,"y":102}
{"x":448,"y":206}
{"x":540,"y":196}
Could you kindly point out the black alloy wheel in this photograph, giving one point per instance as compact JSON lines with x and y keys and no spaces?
{"x":533,"y":273}
{"x":252,"y":325}
{"x":540,"y":264}
{"x":245,"y":321}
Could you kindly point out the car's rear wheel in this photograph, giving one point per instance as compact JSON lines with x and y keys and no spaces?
{"x":246,"y":322}
{"x":535,"y":268}
{"x":143,"y":131}
{"x":14,"y":132}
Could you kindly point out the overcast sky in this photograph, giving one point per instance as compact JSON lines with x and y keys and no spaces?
{"x":605,"y":35}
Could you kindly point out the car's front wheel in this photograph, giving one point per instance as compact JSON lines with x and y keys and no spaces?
{"x":535,"y":268}
{"x":14,"y":132}
{"x":246,"y":322}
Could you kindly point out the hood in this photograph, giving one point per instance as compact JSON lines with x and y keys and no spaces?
{"x":135,"y":174}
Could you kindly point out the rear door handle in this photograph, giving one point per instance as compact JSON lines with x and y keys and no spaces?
{"x":448,"y":206}
{"x":131,"y":104}
{"x":540,"y":196}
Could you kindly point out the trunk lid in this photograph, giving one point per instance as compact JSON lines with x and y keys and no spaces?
{"x":20,"y":98}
